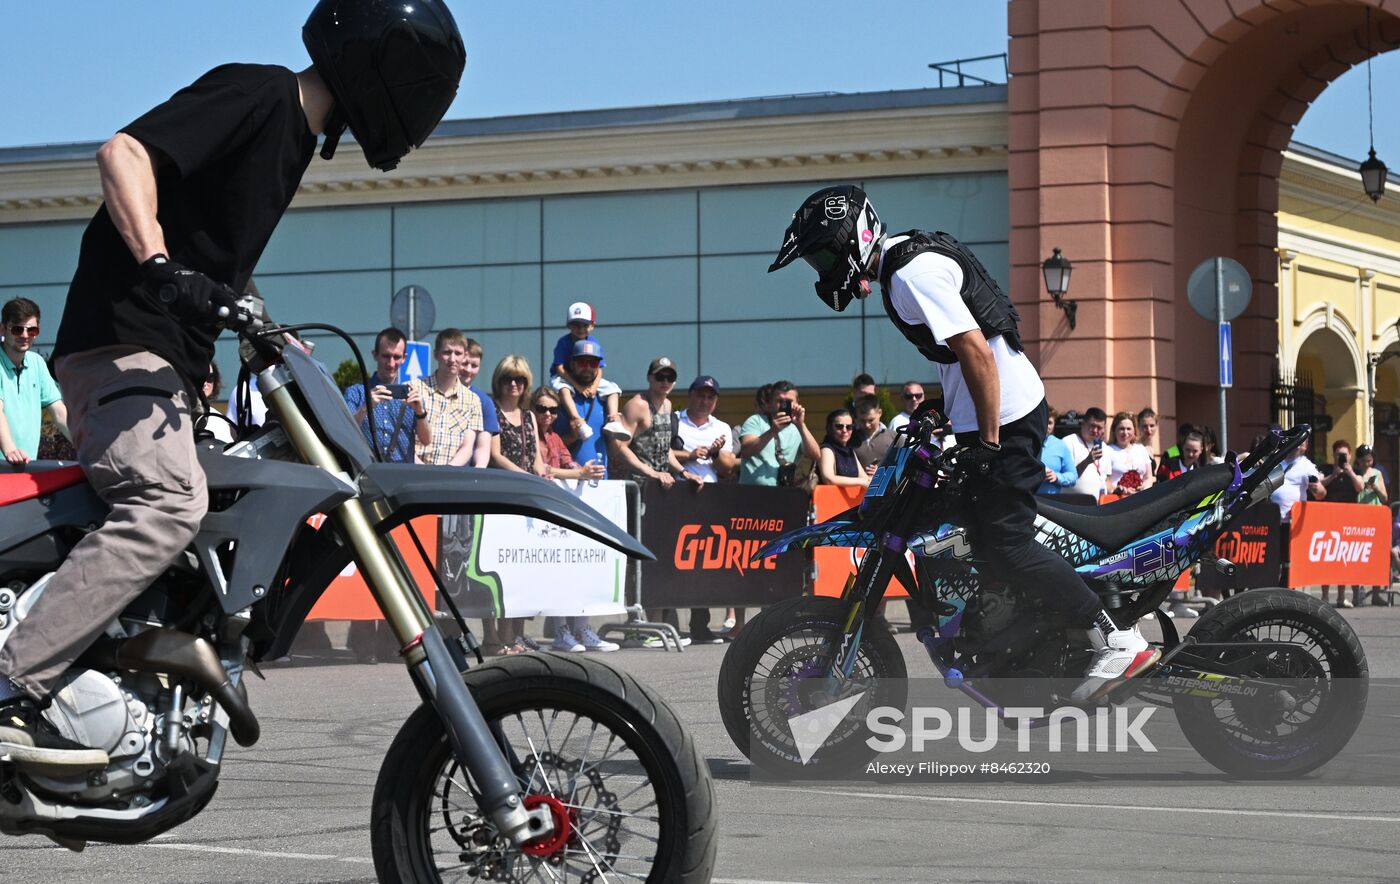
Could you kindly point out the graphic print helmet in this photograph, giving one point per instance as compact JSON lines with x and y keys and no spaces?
{"x":392,"y":66}
{"x":837,"y":231}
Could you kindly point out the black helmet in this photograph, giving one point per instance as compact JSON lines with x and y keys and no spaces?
{"x":837,"y":231}
{"x":392,"y":67}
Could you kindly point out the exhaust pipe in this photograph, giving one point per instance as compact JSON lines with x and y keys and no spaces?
{"x":172,"y":652}
{"x":1271,"y":483}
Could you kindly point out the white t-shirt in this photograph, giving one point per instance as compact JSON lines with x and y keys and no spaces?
{"x":1121,"y":460}
{"x":1295,"y":485}
{"x":1092,"y":480}
{"x":926,"y":291}
{"x":701,"y":436}
{"x":899,"y":420}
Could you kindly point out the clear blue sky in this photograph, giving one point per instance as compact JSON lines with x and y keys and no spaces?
{"x":77,"y":70}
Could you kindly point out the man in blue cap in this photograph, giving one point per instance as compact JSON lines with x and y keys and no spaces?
{"x":584,"y":366}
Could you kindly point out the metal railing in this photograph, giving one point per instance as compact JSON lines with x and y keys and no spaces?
{"x":954,"y":68}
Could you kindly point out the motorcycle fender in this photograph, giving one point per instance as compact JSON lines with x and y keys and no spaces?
{"x":411,"y":490}
{"x":842,"y":529}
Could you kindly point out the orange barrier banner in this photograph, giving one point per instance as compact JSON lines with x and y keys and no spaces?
{"x":835,"y":564}
{"x":348,"y":598}
{"x":1339,"y":544}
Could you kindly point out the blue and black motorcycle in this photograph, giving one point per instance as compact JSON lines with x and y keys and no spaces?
{"x":1302,"y":662}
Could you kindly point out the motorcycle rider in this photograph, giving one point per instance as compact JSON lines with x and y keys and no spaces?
{"x":944,"y":301}
{"x":192,"y":192}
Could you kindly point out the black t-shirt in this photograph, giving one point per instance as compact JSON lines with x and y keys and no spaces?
{"x":1341,"y":490}
{"x":230,"y":150}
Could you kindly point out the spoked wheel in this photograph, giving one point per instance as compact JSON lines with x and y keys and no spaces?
{"x":1298,"y":706}
{"x":628,"y":791}
{"x":776,"y":671}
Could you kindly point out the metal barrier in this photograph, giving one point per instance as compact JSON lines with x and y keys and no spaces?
{"x":636,"y":623}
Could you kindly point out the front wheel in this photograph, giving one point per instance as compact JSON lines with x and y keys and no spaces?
{"x":630,"y":792}
{"x":1298,"y":706}
{"x":776,"y":670}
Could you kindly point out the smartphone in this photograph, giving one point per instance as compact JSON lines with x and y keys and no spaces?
{"x":785,"y":406}
{"x":398,"y":391}
{"x":1098,"y":443}
{"x":1341,"y":460}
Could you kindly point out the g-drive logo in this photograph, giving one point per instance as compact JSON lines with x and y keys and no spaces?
{"x":1331,"y":546}
{"x":1098,"y":730}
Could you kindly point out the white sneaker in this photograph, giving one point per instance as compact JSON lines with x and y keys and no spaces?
{"x":615,"y":430}
{"x":654,"y":641}
{"x":1118,"y":654}
{"x":564,"y":641}
{"x":592,"y":642}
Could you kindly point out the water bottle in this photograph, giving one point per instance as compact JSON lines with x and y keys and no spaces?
{"x":592,"y":482}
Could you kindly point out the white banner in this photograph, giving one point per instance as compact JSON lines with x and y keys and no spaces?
{"x":520,"y":566}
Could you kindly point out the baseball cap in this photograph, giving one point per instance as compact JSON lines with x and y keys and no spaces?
{"x":704,"y":381}
{"x":659,"y":363}
{"x":581,"y":311}
{"x":588,"y":348}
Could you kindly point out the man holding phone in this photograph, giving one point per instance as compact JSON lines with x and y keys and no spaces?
{"x":398,"y":408}
{"x":1086,"y":450}
{"x":774,"y":437}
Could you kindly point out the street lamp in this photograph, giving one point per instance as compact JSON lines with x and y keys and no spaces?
{"x":1372,"y":170}
{"x":1373,"y":173}
{"x":1057,"y":269}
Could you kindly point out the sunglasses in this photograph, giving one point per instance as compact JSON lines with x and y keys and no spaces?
{"x":545,"y":409}
{"x":914,"y":396}
{"x":839,"y":427}
{"x":665,"y":377}
{"x":21,"y":331}
{"x":513,"y":379}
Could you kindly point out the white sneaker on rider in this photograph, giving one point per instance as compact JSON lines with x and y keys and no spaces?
{"x":1119,"y":654}
{"x":564,"y":640}
{"x":593,"y":642}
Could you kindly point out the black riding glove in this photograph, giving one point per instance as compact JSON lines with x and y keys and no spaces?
{"x":975,"y":458}
{"x":186,"y":293}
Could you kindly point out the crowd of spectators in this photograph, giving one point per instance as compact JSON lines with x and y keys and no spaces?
{"x":573,"y":425}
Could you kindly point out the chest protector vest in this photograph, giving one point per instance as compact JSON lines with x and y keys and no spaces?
{"x":989,"y":305}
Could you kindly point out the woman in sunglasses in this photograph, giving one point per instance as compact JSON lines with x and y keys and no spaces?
{"x":516,"y":447}
{"x":838,"y":465}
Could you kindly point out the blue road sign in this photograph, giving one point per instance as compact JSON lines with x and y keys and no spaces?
{"x":1227,"y":363}
{"x":415,"y":361}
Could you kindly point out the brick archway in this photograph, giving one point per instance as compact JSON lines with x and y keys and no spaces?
{"x":1144,"y":138}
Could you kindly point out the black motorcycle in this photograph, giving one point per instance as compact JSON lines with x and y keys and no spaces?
{"x":528,"y":768}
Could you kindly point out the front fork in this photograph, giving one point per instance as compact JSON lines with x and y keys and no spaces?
{"x":866,"y":588}
{"x":431,"y":665}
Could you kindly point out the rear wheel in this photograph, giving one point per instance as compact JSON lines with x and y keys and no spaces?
{"x":776,"y":669}
{"x":1309,"y":700}
{"x":627,"y":787}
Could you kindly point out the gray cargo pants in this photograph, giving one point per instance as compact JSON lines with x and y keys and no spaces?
{"x":130,"y":417}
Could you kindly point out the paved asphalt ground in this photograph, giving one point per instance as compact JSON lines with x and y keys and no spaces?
{"x":296,"y":807}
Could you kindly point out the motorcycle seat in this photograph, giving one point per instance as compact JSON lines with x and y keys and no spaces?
{"x":38,"y":478}
{"x":1113,"y":525}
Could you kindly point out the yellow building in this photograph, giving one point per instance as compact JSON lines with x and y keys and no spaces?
{"x":1339,"y":303}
